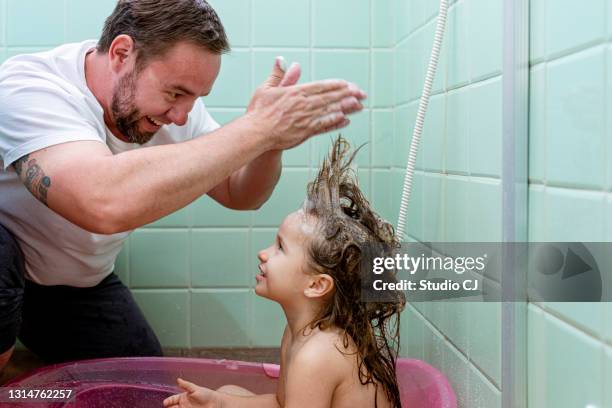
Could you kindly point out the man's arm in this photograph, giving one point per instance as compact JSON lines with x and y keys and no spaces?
{"x":250,"y":187}
{"x":105,"y":193}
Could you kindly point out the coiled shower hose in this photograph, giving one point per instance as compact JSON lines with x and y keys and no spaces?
{"x":420,"y":118}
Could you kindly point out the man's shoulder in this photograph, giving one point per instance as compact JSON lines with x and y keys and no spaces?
{"x":58,"y":69}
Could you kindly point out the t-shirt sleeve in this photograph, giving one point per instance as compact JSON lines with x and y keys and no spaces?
{"x":37,"y":113}
{"x":202,"y":121}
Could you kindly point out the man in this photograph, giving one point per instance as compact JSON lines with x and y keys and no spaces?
{"x":99,"y":139}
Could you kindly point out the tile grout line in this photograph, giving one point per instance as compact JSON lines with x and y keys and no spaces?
{"x":558,"y":316}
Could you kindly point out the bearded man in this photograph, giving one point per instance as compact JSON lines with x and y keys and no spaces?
{"x":101,"y":137}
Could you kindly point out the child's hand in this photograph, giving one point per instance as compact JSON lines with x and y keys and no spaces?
{"x":193,"y":397}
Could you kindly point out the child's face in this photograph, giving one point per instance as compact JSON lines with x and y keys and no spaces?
{"x":281,"y":272}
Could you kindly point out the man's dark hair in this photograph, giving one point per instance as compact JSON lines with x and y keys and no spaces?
{"x":156,"y":25}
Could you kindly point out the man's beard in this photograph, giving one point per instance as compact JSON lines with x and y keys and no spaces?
{"x":124,"y":110}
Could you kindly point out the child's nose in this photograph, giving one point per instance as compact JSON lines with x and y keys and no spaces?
{"x":262,"y":255}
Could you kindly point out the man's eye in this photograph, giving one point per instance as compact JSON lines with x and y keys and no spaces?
{"x":172,"y":95}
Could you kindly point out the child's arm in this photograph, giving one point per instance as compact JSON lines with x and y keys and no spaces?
{"x":255,"y":401}
{"x":202,"y":397}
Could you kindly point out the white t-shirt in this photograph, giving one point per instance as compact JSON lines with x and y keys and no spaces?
{"x":44,"y":101}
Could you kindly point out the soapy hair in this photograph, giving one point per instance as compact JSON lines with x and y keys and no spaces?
{"x":156,"y":25}
{"x":348,"y":235}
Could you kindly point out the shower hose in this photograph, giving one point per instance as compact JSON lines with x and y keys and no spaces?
{"x":420,"y":118}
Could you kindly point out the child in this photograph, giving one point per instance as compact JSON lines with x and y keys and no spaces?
{"x":336,"y":351}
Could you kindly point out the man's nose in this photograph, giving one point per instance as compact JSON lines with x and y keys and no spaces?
{"x":178,"y":115}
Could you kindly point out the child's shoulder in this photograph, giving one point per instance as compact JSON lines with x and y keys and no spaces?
{"x":331,"y":337}
{"x":327,"y":346}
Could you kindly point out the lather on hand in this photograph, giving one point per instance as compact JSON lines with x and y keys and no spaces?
{"x":289,"y":113}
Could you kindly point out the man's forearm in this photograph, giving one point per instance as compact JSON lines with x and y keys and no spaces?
{"x":201,"y":164}
{"x":113,"y":193}
{"x":251,"y":186}
{"x":105,"y":193}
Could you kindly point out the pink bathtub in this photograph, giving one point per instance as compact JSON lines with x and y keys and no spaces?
{"x":145,"y":382}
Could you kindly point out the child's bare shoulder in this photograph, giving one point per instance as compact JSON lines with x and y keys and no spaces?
{"x":326,"y":347}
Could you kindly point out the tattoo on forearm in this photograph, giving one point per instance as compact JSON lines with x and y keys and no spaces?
{"x":18,"y":165}
{"x":33,"y":177}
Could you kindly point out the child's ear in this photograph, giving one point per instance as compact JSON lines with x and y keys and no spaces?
{"x":319,"y":286}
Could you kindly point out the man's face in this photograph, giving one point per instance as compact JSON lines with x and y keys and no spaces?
{"x":163,"y":92}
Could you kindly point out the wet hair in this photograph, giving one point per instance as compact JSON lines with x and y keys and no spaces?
{"x":157,"y":25}
{"x":348,"y":235}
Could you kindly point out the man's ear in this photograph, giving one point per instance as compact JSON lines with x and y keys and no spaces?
{"x":319,"y":286}
{"x":122,"y":52}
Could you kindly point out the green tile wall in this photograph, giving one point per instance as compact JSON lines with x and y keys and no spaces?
{"x":358,"y":133}
{"x":78,"y":27}
{"x":457,"y":189}
{"x":236,"y":18}
{"x":332,"y":28}
{"x":233,"y":86}
{"x":456,"y":153}
{"x":46,"y":16}
{"x":382,"y":26}
{"x":537,"y":124}
{"x":484,"y":128}
{"x":433,"y":138}
{"x":159,"y":258}
{"x":582,"y":357}
{"x":569,"y":192}
{"x":382,"y":138}
{"x":382,"y":78}
{"x":458,"y":47}
{"x":404,"y":18}
{"x":587,"y":22}
{"x":456,"y":208}
{"x":210,"y":264}
{"x":574,"y":215}
{"x":2,"y":32}
{"x":168,"y":313}
{"x":289,"y":196}
{"x":219,"y":318}
{"x":484,"y":36}
{"x":281,"y":23}
{"x":208,"y":213}
{"x":575,"y":119}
